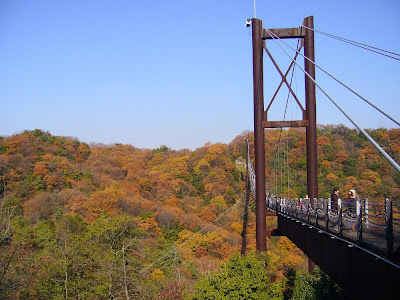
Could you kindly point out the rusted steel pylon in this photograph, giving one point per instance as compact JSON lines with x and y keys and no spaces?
{"x":258,"y":91}
{"x":261,"y":120}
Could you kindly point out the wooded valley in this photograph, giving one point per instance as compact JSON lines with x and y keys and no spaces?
{"x":80,"y":221}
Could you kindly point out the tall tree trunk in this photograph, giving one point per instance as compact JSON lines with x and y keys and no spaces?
{"x":65,"y":269}
{"x":124,"y":268}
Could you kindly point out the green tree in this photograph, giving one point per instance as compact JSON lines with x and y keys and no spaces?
{"x":315,"y":286}
{"x":241,"y":277}
{"x":69,"y":263}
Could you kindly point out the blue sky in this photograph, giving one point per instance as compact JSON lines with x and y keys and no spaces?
{"x":179,"y":73}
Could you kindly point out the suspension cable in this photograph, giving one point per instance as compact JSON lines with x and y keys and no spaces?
{"x":277,"y":155}
{"x":337,"y":80}
{"x":360,"y":45}
{"x":379,"y":148}
{"x":283,"y":181}
{"x":288,"y":167}
{"x":223,"y":225}
{"x":214,"y":222}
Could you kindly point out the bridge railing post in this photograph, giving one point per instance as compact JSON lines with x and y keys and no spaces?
{"x":301,"y":208}
{"x":278,"y":204}
{"x":285,"y":210}
{"x":366,"y":213}
{"x":389,"y":226}
{"x":322,"y":207}
{"x":359,"y":222}
{"x":340,"y":221}
{"x":326,"y":214}
{"x":298,"y":214}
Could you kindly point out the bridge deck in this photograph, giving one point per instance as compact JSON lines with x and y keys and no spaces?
{"x":354,"y":250}
{"x":358,"y":271}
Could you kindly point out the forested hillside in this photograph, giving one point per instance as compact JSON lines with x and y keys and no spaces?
{"x":84,"y":221}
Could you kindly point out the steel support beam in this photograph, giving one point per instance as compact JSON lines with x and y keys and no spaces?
{"x":351,"y":267}
{"x":311,"y":111}
{"x":284,"y":33}
{"x":281,"y":124}
{"x":258,"y":91}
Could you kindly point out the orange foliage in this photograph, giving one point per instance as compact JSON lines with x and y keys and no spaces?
{"x":323,"y":140}
{"x":341,"y":156}
{"x":326,"y":164}
{"x":332,"y":178}
{"x":148,"y":206}
{"x":172,"y":201}
{"x":350,"y":183}
{"x":207,"y":213}
{"x":40,"y":169}
{"x":107,"y":200}
{"x":150,"y":225}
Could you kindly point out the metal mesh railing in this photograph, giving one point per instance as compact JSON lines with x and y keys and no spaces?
{"x":372,"y":224}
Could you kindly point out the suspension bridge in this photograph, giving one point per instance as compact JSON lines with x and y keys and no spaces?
{"x":356,"y":244}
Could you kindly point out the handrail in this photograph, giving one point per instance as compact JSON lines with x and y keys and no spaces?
{"x":372,"y":225}
{"x":353,"y":225}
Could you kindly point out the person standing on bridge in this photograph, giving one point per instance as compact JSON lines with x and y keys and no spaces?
{"x":335,"y":199}
{"x":353,"y":202}
{"x":350,"y":203}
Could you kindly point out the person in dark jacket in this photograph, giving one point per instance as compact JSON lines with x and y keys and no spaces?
{"x":335,"y":199}
{"x":348,"y":203}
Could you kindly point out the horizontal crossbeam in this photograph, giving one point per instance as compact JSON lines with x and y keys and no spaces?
{"x":281,"y":124}
{"x":273,"y":232}
{"x":283,"y":33}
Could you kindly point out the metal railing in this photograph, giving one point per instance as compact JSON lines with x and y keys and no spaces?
{"x":373,"y":225}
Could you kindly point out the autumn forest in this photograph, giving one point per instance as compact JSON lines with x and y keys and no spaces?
{"x":80,"y":221}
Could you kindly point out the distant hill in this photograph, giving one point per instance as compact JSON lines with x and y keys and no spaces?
{"x":72,"y":214}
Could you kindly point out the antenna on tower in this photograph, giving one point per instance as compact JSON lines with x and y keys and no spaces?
{"x":254,"y":9}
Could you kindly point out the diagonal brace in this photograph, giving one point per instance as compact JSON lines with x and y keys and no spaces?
{"x":284,"y":80}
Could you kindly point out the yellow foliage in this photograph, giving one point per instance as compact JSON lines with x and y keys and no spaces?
{"x":284,"y":244}
{"x":172,"y":201}
{"x":326,"y":164}
{"x":350,"y":183}
{"x":202,"y":167}
{"x":289,"y":255}
{"x":219,"y":203}
{"x":216,"y":150}
{"x":292,"y":260}
{"x":183,"y":236}
{"x":157,"y":275}
{"x":145,"y":184}
{"x":106,"y":200}
{"x":150,"y":225}
{"x":331,"y":178}
{"x":371,"y":176}
{"x":237,"y":227}
{"x":180,"y":166}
